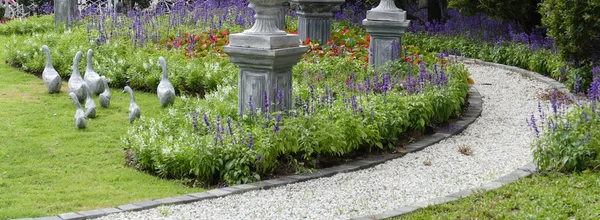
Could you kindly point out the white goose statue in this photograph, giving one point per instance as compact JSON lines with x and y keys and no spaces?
{"x":105,"y":96}
{"x":165,"y":90}
{"x":80,"y":121}
{"x":134,"y":109}
{"x":76,"y":82}
{"x":91,"y":77}
{"x":90,"y":105}
{"x":50,"y":75}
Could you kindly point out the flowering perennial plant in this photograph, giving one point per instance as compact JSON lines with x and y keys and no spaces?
{"x":333,"y":114}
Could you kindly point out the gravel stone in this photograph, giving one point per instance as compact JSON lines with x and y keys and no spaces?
{"x":500,"y":140}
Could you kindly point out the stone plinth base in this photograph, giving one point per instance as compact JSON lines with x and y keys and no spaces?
{"x":64,"y":10}
{"x":315,"y":17}
{"x":263,"y":70}
{"x":383,"y":35}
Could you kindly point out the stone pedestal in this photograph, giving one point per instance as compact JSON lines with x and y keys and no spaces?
{"x":280,"y":19}
{"x":265,"y":56}
{"x":64,"y":10}
{"x":385,"y":24}
{"x":315,"y":17}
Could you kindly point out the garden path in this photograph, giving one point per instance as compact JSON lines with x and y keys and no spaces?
{"x":500,"y":140}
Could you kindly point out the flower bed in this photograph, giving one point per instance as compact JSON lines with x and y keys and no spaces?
{"x":335,"y":113}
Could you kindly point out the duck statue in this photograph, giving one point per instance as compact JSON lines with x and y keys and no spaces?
{"x":165,"y":90}
{"x":134,"y":109}
{"x":91,"y":77}
{"x":76,"y":82}
{"x":90,"y":105}
{"x":80,"y":121}
{"x":105,"y":96}
{"x":50,"y":75}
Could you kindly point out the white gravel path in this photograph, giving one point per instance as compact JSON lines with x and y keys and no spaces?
{"x":500,"y":141}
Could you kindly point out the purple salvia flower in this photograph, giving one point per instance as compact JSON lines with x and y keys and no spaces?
{"x":206,"y":122}
{"x":277,"y":121}
{"x":266,"y":100}
{"x":229,"y":125}
{"x":250,"y":141}
{"x":251,"y":105}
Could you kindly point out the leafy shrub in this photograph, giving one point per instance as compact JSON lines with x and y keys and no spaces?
{"x":569,"y":140}
{"x":575,"y":27}
{"x":34,"y":24}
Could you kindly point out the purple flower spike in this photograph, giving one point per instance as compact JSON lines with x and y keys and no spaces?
{"x":229,"y":125}
{"x":250,"y":141}
{"x":206,"y":122}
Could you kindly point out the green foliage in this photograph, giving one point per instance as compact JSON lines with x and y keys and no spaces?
{"x":542,"y":61}
{"x":181,"y":144}
{"x":554,"y":196}
{"x":33,"y":24}
{"x":575,"y":27}
{"x":120,"y":62}
{"x":570,"y":141}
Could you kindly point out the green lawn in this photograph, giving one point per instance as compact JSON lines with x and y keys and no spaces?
{"x":48,"y":167}
{"x":553,"y":196}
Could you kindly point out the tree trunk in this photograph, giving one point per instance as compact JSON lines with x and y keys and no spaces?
{"x":434,"y":11}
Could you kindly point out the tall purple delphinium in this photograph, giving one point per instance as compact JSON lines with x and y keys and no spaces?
{"x":206,"y":122}
{"x":229,"y":128}
{"x":277,"y":121}
{"x":594,"y":90}
{"x":251,"y":105}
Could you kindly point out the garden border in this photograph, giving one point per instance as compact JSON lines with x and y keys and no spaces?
{"x":474,"y":111}
{"x":525,"y":171}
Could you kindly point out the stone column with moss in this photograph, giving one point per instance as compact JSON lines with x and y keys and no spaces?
{"x":265,"y":56}
{"x":315,"y":17}
{"x":385,"y":23}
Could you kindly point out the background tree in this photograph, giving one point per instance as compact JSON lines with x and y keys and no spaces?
{"x":524,"y":12}
{"x":575,"y":27}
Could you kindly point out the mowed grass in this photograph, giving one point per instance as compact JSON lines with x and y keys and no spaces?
{"x":48,"y":167}
{"x":553,"y":196}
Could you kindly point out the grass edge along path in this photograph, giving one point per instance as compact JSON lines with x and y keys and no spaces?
{"x":48,"y":167}
{"x":550,"y":196}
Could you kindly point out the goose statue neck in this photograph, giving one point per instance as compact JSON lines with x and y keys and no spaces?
{"x":128,"y":90}
{"x":76,"y":60}
{"x":75,"y":100}
{"x":90,"y":54}
{"x":48,"y":57}
{"x":163,"y":63}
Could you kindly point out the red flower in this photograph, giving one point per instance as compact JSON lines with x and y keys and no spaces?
{"x":368,"y":38}
{"x":329,"y":41}
{"x":409,"y":60}
{"x":224,"y":34}
{"x":307,"y":40}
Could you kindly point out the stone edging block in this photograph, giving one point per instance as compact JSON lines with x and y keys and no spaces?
{"x":474,"y":111}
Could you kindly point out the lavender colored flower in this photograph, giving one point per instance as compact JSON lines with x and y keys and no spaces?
{"x":277,"y":121}
{"x":250,"y":141}
{"x":251,"y":105}
{"x":206,"y":122}
{"x":229,"y":125}
{"x":266,"y":100}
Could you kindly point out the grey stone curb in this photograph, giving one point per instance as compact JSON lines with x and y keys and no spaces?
{"x":473,"y":112}
{"x":524,"y":171}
